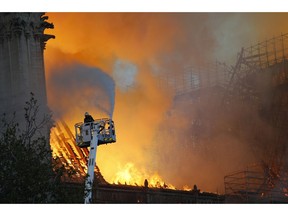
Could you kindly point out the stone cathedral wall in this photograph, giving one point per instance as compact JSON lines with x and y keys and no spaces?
{"x":22,"y":43}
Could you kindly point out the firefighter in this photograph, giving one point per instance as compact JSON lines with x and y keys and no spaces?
{"x":88,"y":118}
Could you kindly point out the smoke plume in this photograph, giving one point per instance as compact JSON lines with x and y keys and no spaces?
{"x":78,"y":87}
{"x":154,"y":130}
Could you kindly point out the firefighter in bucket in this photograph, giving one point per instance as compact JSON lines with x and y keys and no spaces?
{"x":84,"y":131}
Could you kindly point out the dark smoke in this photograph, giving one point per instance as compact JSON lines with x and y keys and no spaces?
{"x":78,"y":87}
{"x":211,"y":132}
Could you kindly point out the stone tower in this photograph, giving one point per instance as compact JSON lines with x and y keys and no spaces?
{"x":22,"y":42}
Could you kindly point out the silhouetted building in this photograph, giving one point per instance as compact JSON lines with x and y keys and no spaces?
{"x":22,"y":42}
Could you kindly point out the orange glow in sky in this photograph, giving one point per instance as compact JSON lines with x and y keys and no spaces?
{"x":133,"y":49}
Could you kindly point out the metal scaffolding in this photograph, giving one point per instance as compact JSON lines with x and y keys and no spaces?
{"x":193,"y":78}
{"x":266,"y":53}
{"x":247,"y":101}
{"x":256,"y":184}
{"x":258,"y":86}
{"x":266,"y":60}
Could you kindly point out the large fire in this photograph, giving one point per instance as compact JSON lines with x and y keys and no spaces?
{"x":130,"y":175}
{"x":148,"y":45}
{"x":63,"y":146}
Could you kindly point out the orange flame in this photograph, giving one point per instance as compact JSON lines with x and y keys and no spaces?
{"x":130,"y":175}
{"x":63,"y":145}
{"x":187,"y":188}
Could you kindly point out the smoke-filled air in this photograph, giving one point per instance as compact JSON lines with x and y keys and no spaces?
{"x":113,"y":65}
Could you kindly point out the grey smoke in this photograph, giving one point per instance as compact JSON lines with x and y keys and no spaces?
{"x":80,"y":87}
{"x":124,"y":73}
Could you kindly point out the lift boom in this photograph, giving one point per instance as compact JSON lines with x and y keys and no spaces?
{"x":92,"y":134}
